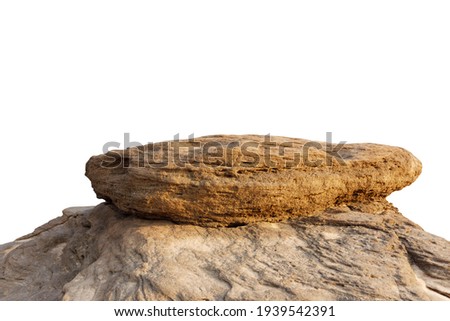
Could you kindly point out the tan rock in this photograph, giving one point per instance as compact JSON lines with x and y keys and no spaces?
{"x":102,"y":254}
{"x":343,"y":240}
{"x":236,"y":180}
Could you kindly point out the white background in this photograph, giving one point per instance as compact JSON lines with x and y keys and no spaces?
{"x":77,"y":74}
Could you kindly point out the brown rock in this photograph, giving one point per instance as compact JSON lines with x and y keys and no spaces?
{"x":343,"y":240}
{"x":236,"y":180}
{"x":101,"y":254}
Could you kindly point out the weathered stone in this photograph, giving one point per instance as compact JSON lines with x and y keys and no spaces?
{"x":101,"y":254}
{"x":234,"y":180}
{"x":340,"y":238}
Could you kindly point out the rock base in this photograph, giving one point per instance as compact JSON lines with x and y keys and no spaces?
{"x":343,"y":254}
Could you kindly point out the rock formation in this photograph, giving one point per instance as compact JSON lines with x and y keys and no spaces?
{"x":236,"y":180}
{"x":308,"y":226}
{"x":101,"y":254}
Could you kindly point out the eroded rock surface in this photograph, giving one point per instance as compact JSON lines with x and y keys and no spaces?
{"x":342,"y":254}
{"x":234,"y":180}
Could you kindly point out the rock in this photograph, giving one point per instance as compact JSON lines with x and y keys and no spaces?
{"x":102,"y":254}
{"x":307,"y":221}
{"x":236,"y":180}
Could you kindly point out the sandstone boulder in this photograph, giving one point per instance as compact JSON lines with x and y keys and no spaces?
{"x":236,"y":180}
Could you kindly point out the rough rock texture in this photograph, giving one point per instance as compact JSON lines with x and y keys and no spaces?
{"x":234,"y":180}
{"x":342,"y":254}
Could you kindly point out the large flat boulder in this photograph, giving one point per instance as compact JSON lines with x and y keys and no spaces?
{"x":236,"y":180}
